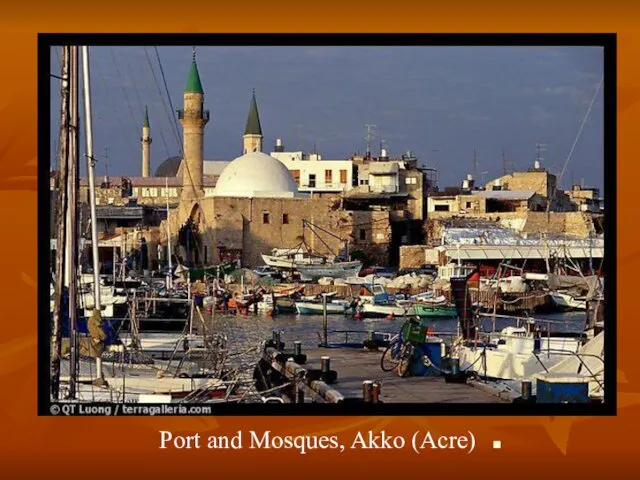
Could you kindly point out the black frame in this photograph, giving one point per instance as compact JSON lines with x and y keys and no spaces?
{"x":606,"y":40}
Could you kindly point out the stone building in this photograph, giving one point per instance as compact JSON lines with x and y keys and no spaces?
{"x":256,"y":205}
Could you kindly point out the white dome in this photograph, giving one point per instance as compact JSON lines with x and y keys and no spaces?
{"x":256,"y":175}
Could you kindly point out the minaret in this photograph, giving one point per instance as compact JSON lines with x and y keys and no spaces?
{"x":193,"y":119}
{"x":146,"y":145}
{"x":252,"y":138}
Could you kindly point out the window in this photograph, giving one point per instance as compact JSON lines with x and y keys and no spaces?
{"x":285,"y":218}
{"x":206,"y":254}
{"x":265,"y":218}
{"x":364,"y":182}
{"x":296,"y":176}
{"x":343,"y":177}
{"x":328,"y":174}
{"x":411,"y":181}
{"x":469,"y":204}
{"x":441,"y":208}
{"x":363,"y":234}
{"x":312,"y":180}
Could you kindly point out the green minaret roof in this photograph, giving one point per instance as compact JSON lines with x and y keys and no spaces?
{"x":253,"y":119}
{"x":193,"y":80}
{"x":146,"y":117}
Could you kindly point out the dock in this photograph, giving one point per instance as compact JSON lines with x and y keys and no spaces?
{"x":354,"y":366}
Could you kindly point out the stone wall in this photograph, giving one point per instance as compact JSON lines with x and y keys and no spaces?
{"x":256,"y":226}
{"x":412,"y":256}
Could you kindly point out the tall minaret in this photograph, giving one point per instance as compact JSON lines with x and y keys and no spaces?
{"x":146,"y":145}
{"x":193,"y":118}
{"x":252,"y":138}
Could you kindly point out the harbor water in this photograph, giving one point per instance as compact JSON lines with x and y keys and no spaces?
{"x":247,"y":331}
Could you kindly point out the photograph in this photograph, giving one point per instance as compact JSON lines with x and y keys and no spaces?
{"x":295,"y":221}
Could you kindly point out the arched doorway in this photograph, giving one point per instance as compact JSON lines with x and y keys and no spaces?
{"x":190,"y":238}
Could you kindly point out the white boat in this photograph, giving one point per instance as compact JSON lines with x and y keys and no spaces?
{"x":310,"y":273}
{"x":373,"y":310}
{"x":567,"y":301}
{"x":510,"y":355}
{"x":289,"y":258}
{"x":335,"y":307}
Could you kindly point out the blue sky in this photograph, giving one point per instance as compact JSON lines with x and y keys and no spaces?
{"x":439,"y":102}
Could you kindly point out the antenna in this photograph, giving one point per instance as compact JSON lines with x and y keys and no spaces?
{"x":475,"y":163}
{"x":106,"y":162}
{"x":540,"y":148}
{"x":504,"y":162}
{"x":370,"y":135}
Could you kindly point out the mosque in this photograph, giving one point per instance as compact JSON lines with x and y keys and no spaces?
{"x":255,"y":205}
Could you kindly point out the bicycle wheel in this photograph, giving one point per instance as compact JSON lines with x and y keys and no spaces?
{"x":390,"y":358}
{"x":404,"y":360}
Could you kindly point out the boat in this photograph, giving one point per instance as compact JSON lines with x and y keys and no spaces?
{"x":289,"y":258}
{"x":310,"y":273}
{"x":335,"y":307}
{"x":434,"y":310}
{"x":377,"y":310}
{"x":511,"y":353}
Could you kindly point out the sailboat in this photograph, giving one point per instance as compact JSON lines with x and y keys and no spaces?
{"x":79,"y":343}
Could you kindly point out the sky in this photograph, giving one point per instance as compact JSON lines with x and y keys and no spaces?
{"x":441,"y":103}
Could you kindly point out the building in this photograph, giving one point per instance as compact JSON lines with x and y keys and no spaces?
{"x":315,"y":175}
{"x":585,"y":199}
{"x":256,"y":204}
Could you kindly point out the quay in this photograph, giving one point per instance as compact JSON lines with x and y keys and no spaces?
{"x":355,"y":366}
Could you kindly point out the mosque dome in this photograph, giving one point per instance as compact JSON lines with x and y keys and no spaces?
{"x":256,"y":175}
{"x":169,"y":168}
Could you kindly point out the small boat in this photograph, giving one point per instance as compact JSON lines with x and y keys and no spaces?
{"x":373,"y":310}
{"x":310,"y":273}
{"x":335,"y":307}
{"x":435,"y":310}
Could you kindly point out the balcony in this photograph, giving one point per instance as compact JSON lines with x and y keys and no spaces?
{"x":204,"y":116}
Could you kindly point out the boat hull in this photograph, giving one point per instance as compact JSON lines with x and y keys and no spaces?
{"x":310,"y":273}
{"x":369,"y":310}
{"x":514,"y":359}
{"x":309,"y":308}
{"x":427,"y":310}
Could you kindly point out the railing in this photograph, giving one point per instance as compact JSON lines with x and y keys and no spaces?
{"x":204,"y":116}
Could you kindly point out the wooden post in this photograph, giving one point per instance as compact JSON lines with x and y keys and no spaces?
{"x":375,"y":392}
{"x":297,"y":347}
{"x":325,"y":365}
{"x":367,"y":391}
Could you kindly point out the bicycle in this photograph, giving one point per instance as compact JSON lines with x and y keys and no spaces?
{"x":401,"y":349}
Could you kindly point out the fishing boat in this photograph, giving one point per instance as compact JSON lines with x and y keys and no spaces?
{"x":334,"y":307}
{"x":434,"y":310}
{"x":377,"y":310}
{"x":311,"y":273}
{"x":289,"y":258}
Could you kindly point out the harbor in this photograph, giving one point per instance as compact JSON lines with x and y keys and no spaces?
{"x":284,"y":277}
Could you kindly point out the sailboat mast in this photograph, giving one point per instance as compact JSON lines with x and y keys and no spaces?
{"x":170,"y":283}
{"x":72,"y":234}
{"x":62,"y":207}
{"x":92,"y":188}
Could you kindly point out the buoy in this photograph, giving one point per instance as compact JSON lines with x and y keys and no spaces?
{"x":270,"y":312}
{"x":429,"y":331}
{"x":357,"y":316}
{"x":390,"y":316}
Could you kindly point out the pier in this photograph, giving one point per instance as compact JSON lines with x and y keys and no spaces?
{"x":355,"y":366}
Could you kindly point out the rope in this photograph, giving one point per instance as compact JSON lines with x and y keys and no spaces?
{"x":164,"y":80}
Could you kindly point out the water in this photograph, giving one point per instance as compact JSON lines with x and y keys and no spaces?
{"x":245,"y":332}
